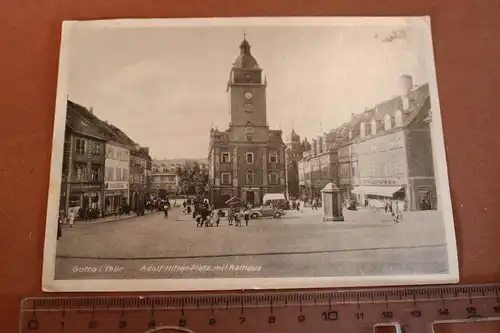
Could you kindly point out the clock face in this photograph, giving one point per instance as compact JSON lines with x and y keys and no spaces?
{"x":248,"y":95}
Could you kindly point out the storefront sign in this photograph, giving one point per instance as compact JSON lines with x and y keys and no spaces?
{"x":116,"y":186}
{"x":85,"y":187}
{"x":385,"y":181}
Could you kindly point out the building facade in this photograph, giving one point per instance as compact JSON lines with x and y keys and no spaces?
{"x":164,"y":174}
{"x":164,"y":179}
{"x":138,"y":182}
{"x":293,"y":154}
{"x":82,"y":185}
{"x":116,"y":179}
{"x":248,"y":159}
{"x":389,"y":153}
{"x":318,"y":166}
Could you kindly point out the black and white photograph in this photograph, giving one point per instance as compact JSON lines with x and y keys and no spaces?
{"x":247,"y":153}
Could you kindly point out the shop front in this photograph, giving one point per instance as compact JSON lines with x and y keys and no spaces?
{"x":375,"y":193}
{"x":116,"y":196}
{"x":85,"y":196}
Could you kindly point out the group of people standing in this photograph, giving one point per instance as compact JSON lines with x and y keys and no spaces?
{"x":63,"y":219}
{"x":238,"y":215}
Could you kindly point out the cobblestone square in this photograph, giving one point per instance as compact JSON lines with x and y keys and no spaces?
{"x":298,"y":245}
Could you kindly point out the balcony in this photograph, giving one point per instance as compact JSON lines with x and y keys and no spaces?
{"x":86,"y":179}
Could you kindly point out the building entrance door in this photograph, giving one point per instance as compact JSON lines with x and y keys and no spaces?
{"x":251,"y":197}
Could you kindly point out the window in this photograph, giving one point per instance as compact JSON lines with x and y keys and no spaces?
{"x":387,"y":122}
{"x":249,"y":138}
{"x":118,"y":155}
{"x":125,"y":174}
{"x":125,"y":155}
{"x":273,"y":158}
{"x":226,"y":178}
{"x":80,"y":171}
{"x":96,"y":149}
{"x":250,"y":177}
{"x":94,"y":174}
{"x":80,"y":146}
{"x":362,"y":129}
{"x":249,"y":158}
{"x":225,"y":158}
{"x":110,"y":174}
{"x":118,"y":174}
{"x":398,"y":118}
{"x":273,"y":178}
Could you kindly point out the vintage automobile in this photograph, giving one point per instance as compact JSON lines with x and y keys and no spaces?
{"x":267,"y":211}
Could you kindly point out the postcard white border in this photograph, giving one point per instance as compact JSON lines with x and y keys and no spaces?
{"x":441,"y":172}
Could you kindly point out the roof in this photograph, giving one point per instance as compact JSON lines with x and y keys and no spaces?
{"x":166,"y":162}
{"x":245,"y":60}
{"x":104,"y":128}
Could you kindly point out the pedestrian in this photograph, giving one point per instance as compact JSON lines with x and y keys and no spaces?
{"x":71,"y":218}
{"x":59,"y":228}
{"x":165,"y":210}
{"x":237,"y":219}
{"x":247,"y":216}
{"x":298,"y":206}
{"x":230,"y":215}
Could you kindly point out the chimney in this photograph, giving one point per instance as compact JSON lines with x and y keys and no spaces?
{"x":91,"y":109}
{"x":405,"y":84}
{"x":146,"y":149}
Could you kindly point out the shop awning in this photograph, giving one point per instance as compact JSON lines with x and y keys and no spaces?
{"x":273,"y":196}
{"x":383,"y":191}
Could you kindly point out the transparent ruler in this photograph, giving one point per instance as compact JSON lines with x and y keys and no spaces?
{"x":409,"y":310}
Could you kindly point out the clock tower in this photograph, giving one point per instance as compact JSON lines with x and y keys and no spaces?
{"x":247,"y":90}
{"x":247,"y":160}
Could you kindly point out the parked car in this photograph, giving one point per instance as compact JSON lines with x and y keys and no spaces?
{"x":267,"y":211}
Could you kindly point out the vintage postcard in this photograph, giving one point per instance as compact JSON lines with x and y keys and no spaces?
{"x":240,"y":153}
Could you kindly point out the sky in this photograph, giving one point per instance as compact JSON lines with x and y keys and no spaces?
{"x":166,"y":86}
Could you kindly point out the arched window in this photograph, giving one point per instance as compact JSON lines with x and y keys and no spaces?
{"x":374,"y":126}
{"x":398,"y":118}
{"x":362,"y":129}
{"x":387,"y":122}
{"x":250,"y":177}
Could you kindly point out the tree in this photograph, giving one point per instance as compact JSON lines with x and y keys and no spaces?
{"x":192,"y":179}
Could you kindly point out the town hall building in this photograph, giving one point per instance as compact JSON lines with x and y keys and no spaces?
{"x":248,"y":159}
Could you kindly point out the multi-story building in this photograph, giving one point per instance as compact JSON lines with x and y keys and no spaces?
{"x":293,"y":154}
{"x":248,"y":159}
{"x":318,"y":166}
{"x":164,"y":176}
{"x":116,"y":179}
{"x":139,"y":192}
{"x":83,"y":163}
{"x":388,"y":153}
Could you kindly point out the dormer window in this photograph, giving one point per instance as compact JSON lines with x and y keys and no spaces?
{"x":406,"y":103}
{"x":398,"y":118}
{"x":387,"y":122}
{"x":362,"y":129}
{"x":374,"y":126}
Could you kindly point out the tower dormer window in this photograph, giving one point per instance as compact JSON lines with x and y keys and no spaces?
{"x":247,"y":107}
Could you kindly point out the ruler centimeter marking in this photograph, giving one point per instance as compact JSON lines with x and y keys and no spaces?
{"x":413,"y":309}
